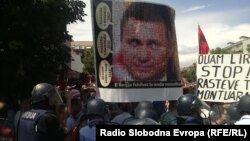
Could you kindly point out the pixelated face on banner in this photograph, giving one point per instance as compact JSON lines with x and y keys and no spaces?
{"x":146,"y":43}
{"x":145,"y":49}
{"x":135,"y":45}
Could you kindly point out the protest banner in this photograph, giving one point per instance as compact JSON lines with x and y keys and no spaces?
{"x":136,"y":55}
{"x":223,"y":77}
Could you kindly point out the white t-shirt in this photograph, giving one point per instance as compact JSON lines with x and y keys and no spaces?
{"x":244,"y":120}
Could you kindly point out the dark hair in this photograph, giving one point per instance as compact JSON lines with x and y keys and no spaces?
{"x":156,"y":12}
{"x":148,"y":12}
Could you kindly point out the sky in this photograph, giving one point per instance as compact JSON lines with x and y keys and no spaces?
{"x":221,"y":21}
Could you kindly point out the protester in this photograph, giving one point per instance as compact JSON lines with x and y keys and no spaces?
{"x":168,"y":117}
{"x":75,"y":110}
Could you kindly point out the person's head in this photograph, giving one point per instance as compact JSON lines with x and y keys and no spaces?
{"x":97,"y":108}
{"x":188,"y":105}
{"x":145,"y":109}
{"x":233,"y":114}
{"x":45,"y":95}
{"x":170,"y":105}
{"x":75,"y":93}
{"x":244,"y":105}
{"x":146,"y":113}
{"x":76,"y":103}
{"x":147,"y":36}
{"x":144,"y":121}
{"x":145,"y":104}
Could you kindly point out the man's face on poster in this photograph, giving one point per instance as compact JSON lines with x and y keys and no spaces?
{"x":145,"y":49}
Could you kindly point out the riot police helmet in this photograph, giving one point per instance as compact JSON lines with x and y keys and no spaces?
{"x":187,"y":104}
{"x":144,"y":121}
{"x":45,"y":92}
{"x":233,"y":113}
{"x":97,"y":106}
{"x":244,"y":104}
{"x":143,"y":105}
{"x":146,"y":113}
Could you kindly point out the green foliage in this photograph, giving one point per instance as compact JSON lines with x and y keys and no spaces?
{"x":237,"y":52}
{"x":88,"y":61}
{"x":248,"y":48}
{"x":33,"y":36}
{"x":219,"y":50}
{"x":189,"y":73}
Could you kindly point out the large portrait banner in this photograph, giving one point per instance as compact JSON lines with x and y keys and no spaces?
{"x":136,"y":55}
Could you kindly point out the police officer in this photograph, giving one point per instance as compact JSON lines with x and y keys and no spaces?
{"x":189,"y":110}
{"x":145,"y":114}
{"x":233,"y":114}
{"x":244,"y":109}
{"x":97,"y":113}
{"x":144,"y":105}
{"x":40,"y":123}
{"x":143,"y":117}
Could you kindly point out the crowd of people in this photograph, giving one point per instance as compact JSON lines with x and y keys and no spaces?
{"x":73,"y":115}
{"x":148,"y":52}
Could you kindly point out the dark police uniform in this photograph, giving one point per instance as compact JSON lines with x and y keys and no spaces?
{"x":39,"y":125}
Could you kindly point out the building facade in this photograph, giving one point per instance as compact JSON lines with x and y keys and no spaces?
{"x":242,"y":46}
{"x":76,"y":65}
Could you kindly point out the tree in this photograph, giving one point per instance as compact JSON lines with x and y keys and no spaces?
{"x":32,"y":41}
{"x":219,"y":50}
{"x":189,"y":73}
{"x":88,"y":61}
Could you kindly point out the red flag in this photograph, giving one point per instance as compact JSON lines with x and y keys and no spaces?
{"x":203,"y":46}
